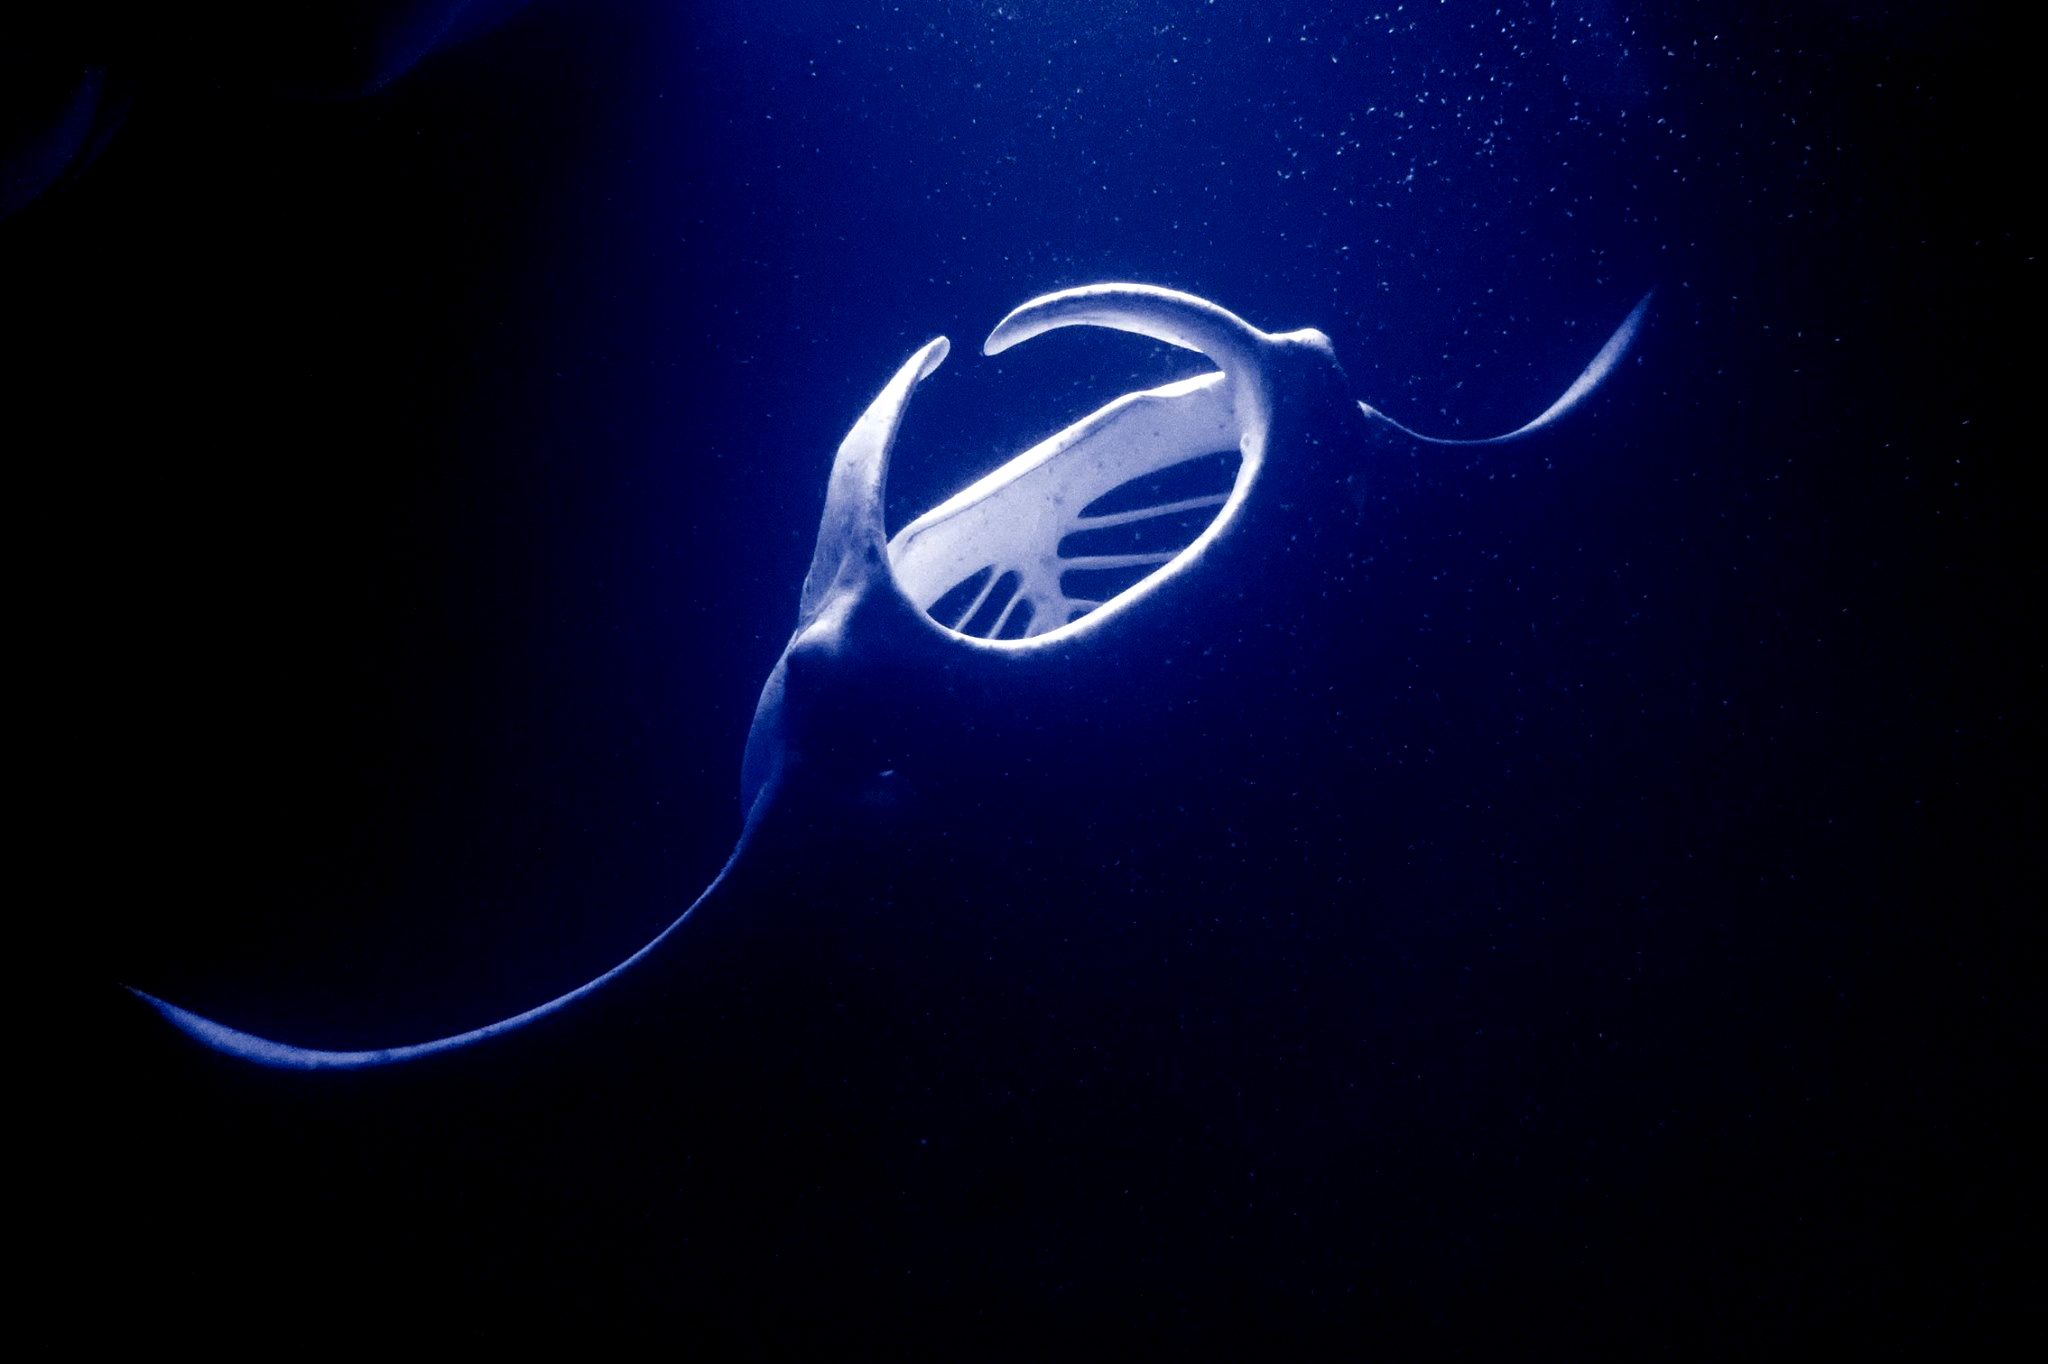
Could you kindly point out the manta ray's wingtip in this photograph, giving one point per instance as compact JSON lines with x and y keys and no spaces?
{"x":1630,"y":325}
{"x":282,"y":1056}
{"x":1592,"y":377}
{"x":249,"y":1047}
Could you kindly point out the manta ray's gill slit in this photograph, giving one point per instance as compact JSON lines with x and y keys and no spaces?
{"x":1130,"y":532}
{"x":991,"y":608}
{"x":1114,"y":543}
{"x":958,"y":602}
{"x":1210,"y":475}
{"x":1171,"y":526}
{"x":1016,"y":622}
{"x":1109,"y":579}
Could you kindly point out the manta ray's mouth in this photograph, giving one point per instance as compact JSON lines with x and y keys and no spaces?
{"x":1078,"y":521}
{"x":1090,"y":516}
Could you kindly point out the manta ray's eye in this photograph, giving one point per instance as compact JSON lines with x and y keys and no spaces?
{"x":1080,"y":520}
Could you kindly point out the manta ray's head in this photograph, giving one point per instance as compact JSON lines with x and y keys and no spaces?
{"x":1043,"y":559}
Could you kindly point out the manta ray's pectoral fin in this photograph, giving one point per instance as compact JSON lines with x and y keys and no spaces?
{"x":285,"y":1056}
{"x":850,"y":566}
{"x":1589,"y":379}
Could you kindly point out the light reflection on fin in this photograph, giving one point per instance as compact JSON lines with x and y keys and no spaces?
{"x":1589,"y":379}
{"x":284,"y":1056}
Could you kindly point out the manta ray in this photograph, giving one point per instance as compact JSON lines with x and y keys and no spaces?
{"x":1102,"y":551}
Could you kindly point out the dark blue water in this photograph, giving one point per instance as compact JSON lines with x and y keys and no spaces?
{"x":1623,"y":944}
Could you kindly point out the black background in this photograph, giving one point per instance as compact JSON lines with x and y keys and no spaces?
{"x":416,"y":484}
